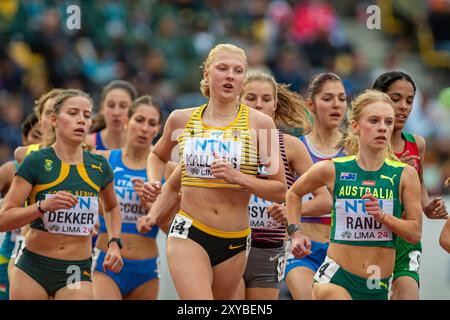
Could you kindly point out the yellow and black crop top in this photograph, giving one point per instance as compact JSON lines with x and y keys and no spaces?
{"x":199,"y":142}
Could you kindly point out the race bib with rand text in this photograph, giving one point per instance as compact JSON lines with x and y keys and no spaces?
{"x":353,"y":223}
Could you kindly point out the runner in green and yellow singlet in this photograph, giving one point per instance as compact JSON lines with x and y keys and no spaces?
{"x":370,"y":190}
{"x":64,"y":184}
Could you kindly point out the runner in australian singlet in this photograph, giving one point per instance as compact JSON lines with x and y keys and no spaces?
{"x":350,"y":223}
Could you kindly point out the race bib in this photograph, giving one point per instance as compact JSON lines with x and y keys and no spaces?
{"x":180,"y":227}
{"x":14,"y":234}
{"x":18,"y":248}
{"x":198,"y":154}
{"x":259,"y":215}
{"x":354,"y":224}
{"x":78,"y":220}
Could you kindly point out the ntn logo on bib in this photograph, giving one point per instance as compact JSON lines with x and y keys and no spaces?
{"x":199,"y":153}
{"x":352,"y":223}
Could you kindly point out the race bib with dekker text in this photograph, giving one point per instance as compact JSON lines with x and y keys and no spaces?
{"x":353,"y":223}
{"x":78,"y":220}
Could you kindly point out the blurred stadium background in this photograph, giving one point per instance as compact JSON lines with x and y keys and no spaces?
{"x":159,"y":46}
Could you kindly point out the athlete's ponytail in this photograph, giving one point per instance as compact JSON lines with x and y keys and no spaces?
{"x":291,"y":110}
{"x":350,"y":139}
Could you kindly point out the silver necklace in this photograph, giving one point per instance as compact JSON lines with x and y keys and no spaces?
{"x":70,"y":158}
{"x":226,"y":115}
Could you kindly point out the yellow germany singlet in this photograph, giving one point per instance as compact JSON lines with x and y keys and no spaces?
{"x":199,"y":142}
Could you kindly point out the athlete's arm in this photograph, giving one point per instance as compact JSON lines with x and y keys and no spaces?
{"x":19,"y":153}
{"x":111,"y":211}
{"x":113,"y":260}
{"x":162,"y":153}
{"x":273,"y":189}
{"x":409,"y":229}
{"x":321,"y":174}
{"x":436,"y":208}
{"x":6,"y":176}
{"x":165,"y":206}
{"x":444,"y":239}
{"x":13,"y":215}
{"x":300,"y":160}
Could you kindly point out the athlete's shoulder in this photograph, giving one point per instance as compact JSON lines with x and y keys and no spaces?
{"x":179,"y":117}
{"x":260,"y":119}
{"x":104,"y":153}
{"x":95,"y":157}
{"x":21,"y":152}
{"x":343,"y":159}
{"x":46,"y":152}
{"x":293,"y":143}
{"x":420,"y":141}
{"x":395,"y":163}
{"x":410,"y":174}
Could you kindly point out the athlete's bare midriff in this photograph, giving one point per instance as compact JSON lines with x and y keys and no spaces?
{"x":135,"y":247}
{"x":318,"y":232}
{"x":364,"y":261}
{"x":225,"y":210}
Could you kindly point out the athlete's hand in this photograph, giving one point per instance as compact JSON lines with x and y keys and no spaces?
{"x":300,"y":245}
{"x":436,"y":209}
{"x":222,"y":169}
{"x":113,"y":260}
{"x":373,"y":207}
{"x":96,"y":228}
{"x":146,"y":223}
{"x":278,"y":213}
{"x":59,"y":200}
{"x":409,"y":159}
{"x":138,"y":184}
{"x":150,"y":191}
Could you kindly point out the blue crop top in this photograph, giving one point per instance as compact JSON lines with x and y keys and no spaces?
{"x":131,"y":208}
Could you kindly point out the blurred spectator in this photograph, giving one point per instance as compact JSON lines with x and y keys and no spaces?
{"x":438,"y":19}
